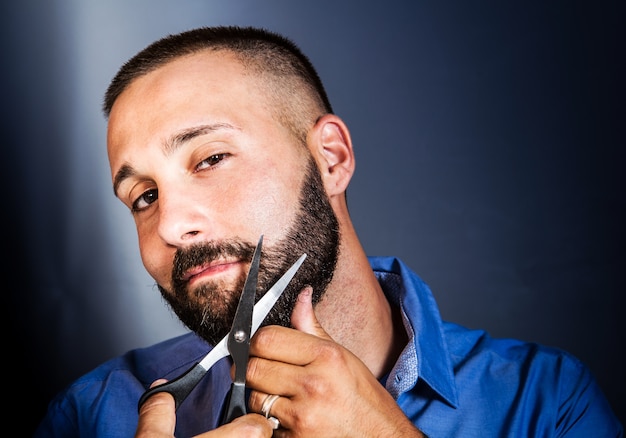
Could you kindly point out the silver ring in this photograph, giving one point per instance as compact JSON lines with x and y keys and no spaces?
{"x":275,"y":422}
{"x":268,"y":403}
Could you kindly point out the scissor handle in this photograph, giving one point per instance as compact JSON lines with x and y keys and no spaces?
{"x":180,"y":387}
{"x":235,"y":403}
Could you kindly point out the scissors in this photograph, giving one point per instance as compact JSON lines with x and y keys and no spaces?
{"x":248,"y":319}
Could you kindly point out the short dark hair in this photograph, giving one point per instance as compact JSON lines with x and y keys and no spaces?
{"x":290,"y":76}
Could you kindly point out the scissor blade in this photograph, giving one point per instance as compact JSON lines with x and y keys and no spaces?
{"x":240,"y":332}
{"x":239,"y":341}
{"x":266,"y":303}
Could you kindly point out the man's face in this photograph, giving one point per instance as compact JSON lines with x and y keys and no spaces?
{"x":206,"y":170}
{"x":209,"y":309}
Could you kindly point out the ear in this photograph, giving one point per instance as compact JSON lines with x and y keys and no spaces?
{"x":331,"y":146}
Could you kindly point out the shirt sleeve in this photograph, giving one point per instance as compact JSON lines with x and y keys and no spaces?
{"x":583,"y":409}
{"x":59,"y":420}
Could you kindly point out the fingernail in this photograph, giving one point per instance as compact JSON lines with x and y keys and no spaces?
{"x":305,"y":294}
{"x":158,"y":382}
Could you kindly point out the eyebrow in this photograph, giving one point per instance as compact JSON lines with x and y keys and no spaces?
{"x":186,"y":135}
{"x":170,"y":146}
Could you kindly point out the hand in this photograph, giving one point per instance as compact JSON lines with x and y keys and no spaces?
{"x":324,"y":389}
{"x":157,"y":419}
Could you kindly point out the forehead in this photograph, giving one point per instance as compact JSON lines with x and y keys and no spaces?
{"x":203,"y":88}
{"x":210,"y":71}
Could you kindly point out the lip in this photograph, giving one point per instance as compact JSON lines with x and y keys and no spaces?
{"x":209,"y":269}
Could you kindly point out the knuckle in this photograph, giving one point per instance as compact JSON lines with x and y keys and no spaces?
{"x":253,"y":368}
{"x":264,"y":339}
{"x":332,"y":353}
{"x":315,"y":385}
{"x":303,"y":419}
{"x":254,"y":401}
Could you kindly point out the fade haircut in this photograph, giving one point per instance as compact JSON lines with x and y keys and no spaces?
{"x":296,"y":95}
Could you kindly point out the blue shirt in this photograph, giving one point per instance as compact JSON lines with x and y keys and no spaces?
{"x":450,"y":381}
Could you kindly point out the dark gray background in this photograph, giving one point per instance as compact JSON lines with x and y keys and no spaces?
{"x":490,"y":153}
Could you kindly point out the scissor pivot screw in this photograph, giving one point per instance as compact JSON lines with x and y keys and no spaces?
{"x":240,"y":336}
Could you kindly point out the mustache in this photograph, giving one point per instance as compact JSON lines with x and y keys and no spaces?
{"x":207,"y":252}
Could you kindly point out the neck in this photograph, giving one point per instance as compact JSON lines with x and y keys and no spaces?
{"x":356,"y":313}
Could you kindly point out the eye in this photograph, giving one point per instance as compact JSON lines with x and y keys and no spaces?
{"x":210,"y":161}
{"x":144,"y":201}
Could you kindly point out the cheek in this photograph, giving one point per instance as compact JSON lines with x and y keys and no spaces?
{"x":156,"y":258}
{"x":274,"y":204}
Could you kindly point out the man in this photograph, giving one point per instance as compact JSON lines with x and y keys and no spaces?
{"x":217,"y":136}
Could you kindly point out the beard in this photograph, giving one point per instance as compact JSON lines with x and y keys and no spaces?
{"x":209,"y":309}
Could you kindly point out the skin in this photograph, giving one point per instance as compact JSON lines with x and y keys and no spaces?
{"x":326,"y":367}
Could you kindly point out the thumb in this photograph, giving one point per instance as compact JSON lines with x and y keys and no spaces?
{"x":157,"y":416}
{"x":303,"y":316}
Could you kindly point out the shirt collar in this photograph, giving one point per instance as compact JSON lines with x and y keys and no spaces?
{"x":426,"y":356}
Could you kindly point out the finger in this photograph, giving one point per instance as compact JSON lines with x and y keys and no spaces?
{"x":303,"y":316}
{"x":158,"y":382}
{"x":246,"y":426}
{"x":272,"y":376}
{"x":299,"y":346}
{"x":284,"y":345}
{"x":157,"y":416}
{"x":306,"y":364}
{"x":258,"y":402}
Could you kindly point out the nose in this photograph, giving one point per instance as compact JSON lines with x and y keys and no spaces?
{"x":182,"y":220}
